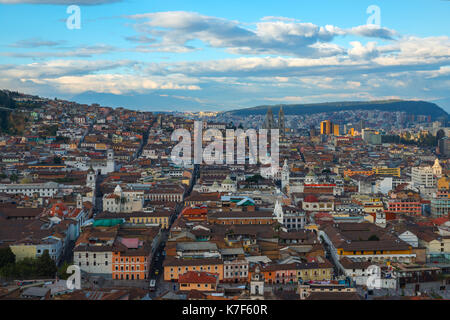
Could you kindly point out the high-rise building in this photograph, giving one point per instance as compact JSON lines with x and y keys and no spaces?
{"x":326,"y":127}
{"x":281,"y":124}
{"x":336,"y":130}
{"x":444,"y":146}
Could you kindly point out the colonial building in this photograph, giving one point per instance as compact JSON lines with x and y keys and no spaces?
{"x":123,"y":201}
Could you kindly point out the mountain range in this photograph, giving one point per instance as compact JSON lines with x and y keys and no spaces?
{"x":411,"y":107}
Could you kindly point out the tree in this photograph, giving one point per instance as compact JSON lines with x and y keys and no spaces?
{"x":6,"y":257}
{"x":254,"y":179}
{"x":26,"y":180}
{"x":62,"y":271}
{"x":45,"y":266}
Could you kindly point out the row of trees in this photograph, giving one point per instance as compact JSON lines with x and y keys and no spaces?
{"x":28,"y":268}
{"x":427,"y":140}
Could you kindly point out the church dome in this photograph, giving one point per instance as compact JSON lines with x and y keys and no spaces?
{"x":118,"y":189}
{"x":227,"y":180}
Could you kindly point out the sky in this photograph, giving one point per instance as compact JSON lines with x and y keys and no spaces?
{"x":219,"y":55}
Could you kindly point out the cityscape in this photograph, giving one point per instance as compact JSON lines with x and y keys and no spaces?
{"x":339,"y":197}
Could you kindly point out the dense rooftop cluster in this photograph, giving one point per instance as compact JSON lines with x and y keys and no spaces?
{"x":96,"y":187}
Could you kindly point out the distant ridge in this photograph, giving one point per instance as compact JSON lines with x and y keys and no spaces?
{"x":411,"y":107}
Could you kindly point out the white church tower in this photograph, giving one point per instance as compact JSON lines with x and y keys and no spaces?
{"x":79,"y":201}
{"x":90,"y":178}
{"x":257,"y":285}
{"x":278,"y":212}
{"x":110,"y":163}
{"x":437,"y":169}
{"x":285,"y":175}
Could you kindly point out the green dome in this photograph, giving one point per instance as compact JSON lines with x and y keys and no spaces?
{"x":227,"y":180}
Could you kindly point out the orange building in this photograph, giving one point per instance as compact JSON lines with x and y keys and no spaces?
{"x":195,"y":213}
{"x":326,"y":127}
{"x":201,"y":281}
{"x":130,"y":259}
{"x":349,"y":173}
{"x":173,"y":267}
{"x":336,"y":130}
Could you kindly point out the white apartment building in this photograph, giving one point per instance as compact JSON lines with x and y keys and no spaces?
{"x":423,"y":176}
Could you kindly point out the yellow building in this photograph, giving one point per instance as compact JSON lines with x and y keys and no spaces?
{"x":161,"y":218}
{"x":22,"y":251}
{"x":321,"y":273}
{"x":349,"y":173}
{"x":443,"y":183}
{"x":326,"y":127}
{"x":173,"y":267}
{"x":100,"y":146}
{"x":388,"y":171}
{"x":336,"y":131}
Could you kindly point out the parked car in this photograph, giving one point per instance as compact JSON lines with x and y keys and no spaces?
{"x":152,"y":286}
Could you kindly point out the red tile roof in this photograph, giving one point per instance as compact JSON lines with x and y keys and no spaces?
{"x":197,"y":277}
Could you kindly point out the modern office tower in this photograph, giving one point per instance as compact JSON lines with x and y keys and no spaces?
{"x":326,"y":127}
{"x":336,"y":130}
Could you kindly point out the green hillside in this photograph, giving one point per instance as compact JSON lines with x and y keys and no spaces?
{"x":411,"y":107}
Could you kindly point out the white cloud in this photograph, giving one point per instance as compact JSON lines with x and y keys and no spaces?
{"x":272,"y":35}
{"x":367,"y":52}
{"x":86,"y":51}
{"x":112,"y":83}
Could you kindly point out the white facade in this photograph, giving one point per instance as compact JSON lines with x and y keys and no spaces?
{"x":104,"y":168}
{"x":285,"y":175}
{"x":423,"y":176}
{"x":123,"y":201}
{"x":235,"y":270}
{"x":48,"y":189}
{"x":94,"y":262}
{"x":410,"y":238}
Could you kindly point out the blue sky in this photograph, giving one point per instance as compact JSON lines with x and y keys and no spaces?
{"x":218,"y":55}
